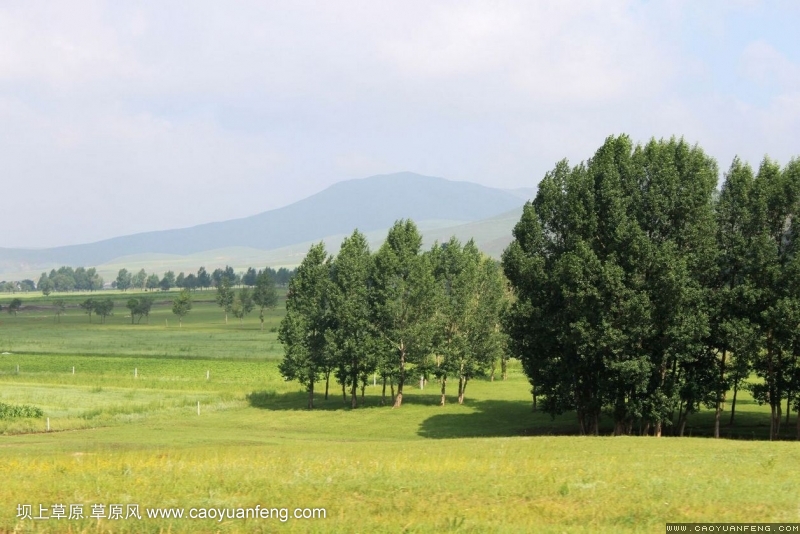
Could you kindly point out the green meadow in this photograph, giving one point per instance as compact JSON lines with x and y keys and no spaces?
{"x":124,"y":429}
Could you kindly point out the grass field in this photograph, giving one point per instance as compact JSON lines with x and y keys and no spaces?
{"x":489,"y":465}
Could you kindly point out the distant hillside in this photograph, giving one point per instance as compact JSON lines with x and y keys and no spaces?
{"x":368,"y":204}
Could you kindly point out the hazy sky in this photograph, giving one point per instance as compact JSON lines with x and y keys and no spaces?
{"x":121,"y":117}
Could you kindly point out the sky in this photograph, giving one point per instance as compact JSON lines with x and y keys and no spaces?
{"x":123,"y":117}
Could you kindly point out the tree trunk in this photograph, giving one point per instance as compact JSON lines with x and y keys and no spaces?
{"x":646,"y":430}
{"x":788,"y":407}
{"x":504,"y":367}
{"x":363,"y":387}
{"x":327,"y":382}
{"x":311,"y":395}
{"x":383,"y":392}
{"x":657,"y":431}
{"x":398,"y":400}
{"x":444,"y":386}
{"x":391,"y":385}
{"x":771,"y":421}
{"x":733,"y":401}
{"x":354,"y":393}
{"x":533,"y":392}
{"x":720,"y":394}
{"x":463,"y":389}
{"x":344,"y":394}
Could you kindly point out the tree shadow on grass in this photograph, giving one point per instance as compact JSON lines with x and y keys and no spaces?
{"x":298,"y":401}
{"x":496,"y":418}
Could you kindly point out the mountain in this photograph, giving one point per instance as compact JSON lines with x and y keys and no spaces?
{"x":368,"y":204}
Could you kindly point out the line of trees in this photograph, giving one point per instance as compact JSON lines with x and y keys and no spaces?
{"x":240,"y":303}
{"x":392,"y":314}
{"x":643,"y":293}
{"x":69,"y":279}
{"x":126,"y":280}
{"x":66,"y":279}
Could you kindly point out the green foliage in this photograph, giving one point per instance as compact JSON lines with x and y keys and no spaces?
{"x":59,"y":305}
{"x":242,"y":303}
{"x":264,"y":295}
{"x":225,"y":295}
{"x":609,"y":265}
{"x":402,"y":298}
{"x":124,"y":280}
{"x":12,"y":411}
{"x":139,"y":307}
{"x":15,"y":305}
{"x":182,"y":305}
{"x":351,"y":337}
{"x":303,"y":331}
{"x":103,"y":308}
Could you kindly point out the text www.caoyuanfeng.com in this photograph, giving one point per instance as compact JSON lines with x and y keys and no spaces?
{"x":116,"y":512}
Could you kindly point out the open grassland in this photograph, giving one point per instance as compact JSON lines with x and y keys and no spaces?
{"x":489,"y":465}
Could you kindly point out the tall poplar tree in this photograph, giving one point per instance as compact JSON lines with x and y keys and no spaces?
{"x":402,"y":295}
{"x":303,"y":331}
{"x":351,"y":336}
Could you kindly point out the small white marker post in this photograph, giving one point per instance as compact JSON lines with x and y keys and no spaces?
{"x":17,"y":368}
{"x":135,"y":372}
{"x":208,"y":375}
{"x":198,"y":407}
{"x":48,"y":424}
{"x":73,"y":369}
{"x":421,"y":383}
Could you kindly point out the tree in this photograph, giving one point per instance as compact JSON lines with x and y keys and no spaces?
{"x":63,"y":282}
{"x":143,"y":310}
{"x":88,"y":306}
{"x":303,"y":330}
{"x":14,"y":306}
{"x":733,"y":296}
{"x":469,"y":305}
{"x":264,"y":294}
{"x":610,"y":266}
{"x":45,"y":285}
{"x":123,"y":279}
{"x":250,"y":277}
{"x":95,"y":280}
{"x":242,"y":303}
{"x":190,"y":282}
{"x":27,"y":285}
{"x":403,"y":304}
{"x":774,"y":206}
{"x":182,"y":305}
{"x":139,"y":280}
{"x":104,"y":308}
{"x":132,"y":304}
{"x":225,"y":296}
{"x":59,"y":305}
{"x":152,"y":282}
{"x":203,"y":278}
{"x":351,"y":337}
{"x":180,"y":281}
{"x":168,"y":282}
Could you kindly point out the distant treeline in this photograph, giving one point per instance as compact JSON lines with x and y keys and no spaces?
{"x":643,"y":293}
{"x":202,"y":280}
{"x":65,"y":279}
